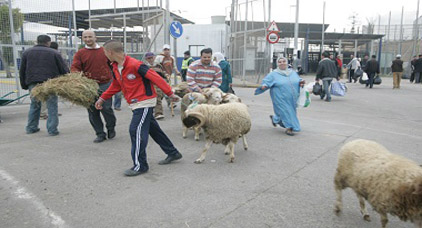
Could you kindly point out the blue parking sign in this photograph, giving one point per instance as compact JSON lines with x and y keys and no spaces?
{"x":176,"y":29}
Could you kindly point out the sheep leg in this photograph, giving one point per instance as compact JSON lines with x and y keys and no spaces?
{"x":363,"y":210}
{"x":231,"y":146}
{"x":227,"y":150}
{"x":185,"y":132}
{"x":197,"y":131}
{"x":384,"y":219}
{"x":245,"y":144}
{"x":204,"y":152}
{"x":338,"y":187}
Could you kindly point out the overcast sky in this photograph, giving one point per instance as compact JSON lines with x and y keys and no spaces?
{"x":311,"y":11}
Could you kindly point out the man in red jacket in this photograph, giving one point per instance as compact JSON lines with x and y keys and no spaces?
{"x":92,"y":61}
{"x":136,"y":81}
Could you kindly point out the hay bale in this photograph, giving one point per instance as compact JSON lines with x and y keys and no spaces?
{"x":73,"y":87}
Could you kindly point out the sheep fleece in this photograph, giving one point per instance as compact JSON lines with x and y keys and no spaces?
{"x":384,"y":179}
{"x":225,"y":121}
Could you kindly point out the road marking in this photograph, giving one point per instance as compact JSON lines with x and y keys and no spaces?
{"x":21,"y":193}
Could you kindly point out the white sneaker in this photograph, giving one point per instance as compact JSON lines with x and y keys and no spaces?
{"x":159,"y":117}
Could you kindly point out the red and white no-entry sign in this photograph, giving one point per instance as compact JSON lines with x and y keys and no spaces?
{"x":273,"y":37}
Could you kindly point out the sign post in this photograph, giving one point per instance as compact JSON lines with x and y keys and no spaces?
{"x":176,"y":31}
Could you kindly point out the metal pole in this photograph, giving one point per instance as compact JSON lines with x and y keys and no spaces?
{"x":124,"y":32}
{"x":244,"y":45}
{"x":231,"y":52}
{"x":15,"y":51}
{"x":114,"y":6}
{"x":387,"y":42}
{"x":339,"y":47}
{"x":296,"y":28}
{"x":416,"y":34}
{"x":74,"y":25}
{"x":175,"y":57}
{"x":270,"y":54}
{"x":356,"y":48}
{"x":89,"y":13}
{"x":167,"y":23}
{"x":401,"y":30}
{"x":323,"y":28}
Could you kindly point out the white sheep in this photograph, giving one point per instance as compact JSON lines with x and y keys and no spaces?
{"x":214,"y":95}
{"x":222,"y":124}
{"x":230,"y":98}
{"x":390,"y":183}
{"x":187,"y":100}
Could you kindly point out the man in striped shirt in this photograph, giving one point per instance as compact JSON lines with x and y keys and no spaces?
{"x":204,"y":73}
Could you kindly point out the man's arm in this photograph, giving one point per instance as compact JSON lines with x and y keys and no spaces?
{"x":190,"y":79}
{"x":319,"y":71}
{"x":112,"y":89}
{"x":61,"y":64}
{"x":22,"y":72}
{"x":217,"y":78}
{"x":77,"y":63}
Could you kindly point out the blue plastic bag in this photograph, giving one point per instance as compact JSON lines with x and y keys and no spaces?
{"x":338,"y":89}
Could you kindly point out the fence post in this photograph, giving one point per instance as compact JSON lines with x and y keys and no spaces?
{"x":15,"y":54}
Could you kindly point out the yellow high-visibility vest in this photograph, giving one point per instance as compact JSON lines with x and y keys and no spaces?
{"x":185,"y":63}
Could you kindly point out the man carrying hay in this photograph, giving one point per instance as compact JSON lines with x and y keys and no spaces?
{"x":137,"y":81}
{"x":94,"y":64}
{"x":39,"y":64}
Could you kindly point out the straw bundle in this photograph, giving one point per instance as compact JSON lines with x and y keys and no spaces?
{"x":73,"y":87}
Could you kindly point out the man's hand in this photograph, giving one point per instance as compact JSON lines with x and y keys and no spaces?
{"x":263,"y":87}
{"x":174,"y":98}
{"x":99,"y":104}
{"x":302,"y":83}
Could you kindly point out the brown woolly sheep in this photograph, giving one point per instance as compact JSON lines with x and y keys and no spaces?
{"x":390,"y":183}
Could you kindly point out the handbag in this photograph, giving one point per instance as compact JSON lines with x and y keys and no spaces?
{"x":377,"y":80}
{"x":359,"y":72}
{"x":317,"y":89}
{"x":230,"y":90}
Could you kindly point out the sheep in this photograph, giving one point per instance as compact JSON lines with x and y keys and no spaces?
{"x":181,"y":89}
{"x":223,"y":123}
{"x":390,"y":183}
{"x":188,"y":99}
{"x":214,"y":95}
{"x":230,"y":98}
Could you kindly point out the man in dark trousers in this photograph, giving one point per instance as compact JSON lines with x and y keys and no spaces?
{"x":327,"y":70}
{"x":397,"y":69}
{"x":39,"y":64}
{"x":137,"y":81}
{"x":372,"y":67}
{"x":92,"y":61}
{"x":418,"y":69}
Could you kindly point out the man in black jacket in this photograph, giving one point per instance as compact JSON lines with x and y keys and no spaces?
{"x":39,"y":64}
{"x":327,"y":70}
{"x":372,"y":68}
{"x":418,"y":69}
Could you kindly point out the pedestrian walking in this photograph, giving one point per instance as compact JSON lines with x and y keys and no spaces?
{"x":284,"y":84}
{"x":226,"y":83}
{"x":372,"y":68}
{"x":353,"y":65}
{"x":39,"y":64}
{"x":397,"y":69}
{"x":326,"y":71}
{"x":204,"y":73}
{"x":92,"y":61}
{"x":138,"y":79}
{"x":418,"y":69}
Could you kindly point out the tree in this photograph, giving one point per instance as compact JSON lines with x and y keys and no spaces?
{"x":6,"y":53}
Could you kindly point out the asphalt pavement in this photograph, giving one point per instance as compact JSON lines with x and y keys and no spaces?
{"x":281,"y":181}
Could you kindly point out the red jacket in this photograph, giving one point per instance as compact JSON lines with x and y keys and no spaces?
{"x":136,"y":82}
{"x":93,"y":63}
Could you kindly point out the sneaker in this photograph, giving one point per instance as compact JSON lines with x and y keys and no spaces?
{"x":271,"y":117}
{"x":99,"y":139}
{"x":54,"y":133}
{"x":118,"y":109}
{"x":111,"y":134}
{"x":33,"y":131}
{"x":132,"y":173}
{"x":159,"y":117}
{"x":44,"y":116}
{"x":170,"y":158}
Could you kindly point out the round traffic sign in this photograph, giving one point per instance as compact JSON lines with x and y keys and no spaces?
{"x":273,"y":37}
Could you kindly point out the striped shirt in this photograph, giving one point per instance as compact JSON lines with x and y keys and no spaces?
{"x":203,"y":76}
